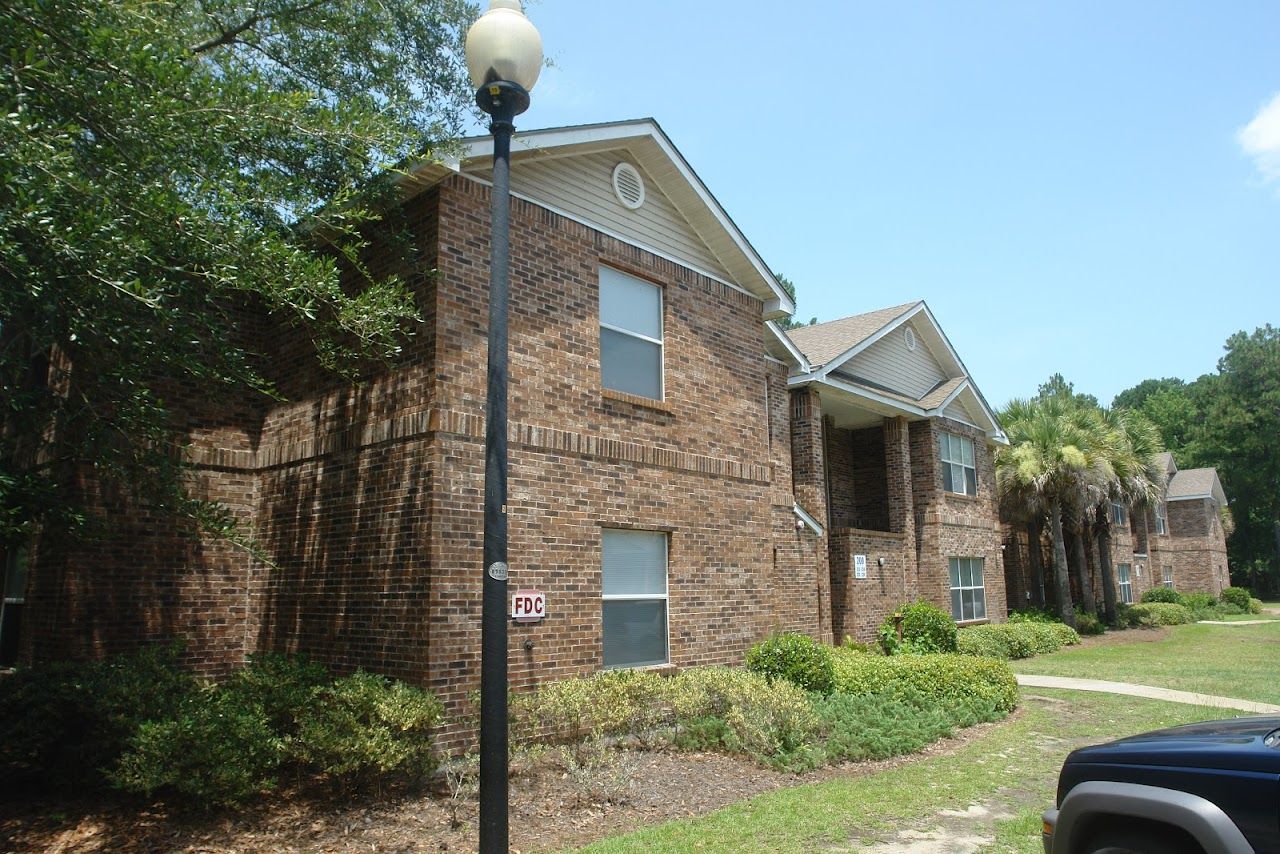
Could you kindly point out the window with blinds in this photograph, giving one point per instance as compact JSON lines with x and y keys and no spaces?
{"x":634,"y":588}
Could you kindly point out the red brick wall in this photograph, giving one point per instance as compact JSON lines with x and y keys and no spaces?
{"x":956,"y":525}
{"x":368,"y":496}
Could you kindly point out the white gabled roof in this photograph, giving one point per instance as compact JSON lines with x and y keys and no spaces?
{"x":830,"y":345}
{"x":661,"y":161}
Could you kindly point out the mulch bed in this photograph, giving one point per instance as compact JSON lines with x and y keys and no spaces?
{"x":551,"y":809}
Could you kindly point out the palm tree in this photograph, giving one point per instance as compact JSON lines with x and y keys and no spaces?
{"x":1055,"y":463}
{"x":1139,"y":481}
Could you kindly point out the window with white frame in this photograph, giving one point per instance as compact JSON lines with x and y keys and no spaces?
{"x":1162,"y":519}
{"x":959,"y":473}
{"x":1124,"y":573}
{"x":630,"y":334}
{"x":634,"y":587}
{"x":968,"y":593}
{"x":1119,"y":515}
{"x":1168,"y":577}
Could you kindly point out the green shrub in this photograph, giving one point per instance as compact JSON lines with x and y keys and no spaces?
{"x":219,"y":749}
{"x":1009,"y":640}
{"x":1255,"y":606}
{"x":1031,"y":614}
{"x":364,"y":723}
{"x":1162,"y":594}
{"x":1227,"y":609}
{"x":1066,"y":635}
{"x":984,"y":640}
{"x":614,"y":702}
{"x":943,"y":677}
{"x":1089,"y":624}
{"x":1238,"y":596}
{"x":764,"y":719}
{"x":926,"y":628}
{"x":1125,"y":618}
{"x":1199,"y":601}
{"x":281,"y":687}
{"x":797,"y":658}
{"x":893,"y":722}
{"x":857,"y":646}
{"x":1152,"y":614}
{"x":66,"y":723}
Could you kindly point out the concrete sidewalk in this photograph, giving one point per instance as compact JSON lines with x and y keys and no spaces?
{"x":1148,"y":691}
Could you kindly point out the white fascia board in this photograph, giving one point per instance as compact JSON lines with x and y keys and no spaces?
{"x":992,"y":430}
{"x":883,"y":331}
{"x":1208,"y":495}
{"x":789,"y":345}
{"x":951,"y":351}
{"x":809,"y":520}
{"x":785,"y":303}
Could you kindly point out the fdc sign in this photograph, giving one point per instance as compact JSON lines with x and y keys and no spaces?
{"x":528,"y":606}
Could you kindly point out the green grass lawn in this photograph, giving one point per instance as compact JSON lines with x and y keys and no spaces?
{"x":1010,"y":771}
{"x":1230,"y":661}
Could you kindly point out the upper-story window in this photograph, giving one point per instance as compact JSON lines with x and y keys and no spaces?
{"x":1162,"y":519}
{"x":959,"y":474}
{"x":630,"y":334}
{"x":1118,"y":513}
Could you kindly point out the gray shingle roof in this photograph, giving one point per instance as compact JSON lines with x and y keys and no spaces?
{"x":934,"y":398}
{"x":823,"y":342}
{"x":1189,"y":483}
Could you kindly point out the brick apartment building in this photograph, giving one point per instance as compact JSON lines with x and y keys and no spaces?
{"x":656,"y":413}
{"x":893,"y":450}
{"x":1178,"y":542}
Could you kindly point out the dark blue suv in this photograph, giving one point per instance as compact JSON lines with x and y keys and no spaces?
{"x":1199,"y":789}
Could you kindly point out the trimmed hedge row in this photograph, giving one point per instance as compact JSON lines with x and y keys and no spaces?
{"x":1016,"y":640}
{"x":1151,"y":614}
{"x":943,"y":676}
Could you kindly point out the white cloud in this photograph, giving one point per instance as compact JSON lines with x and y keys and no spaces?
{"x":1260,"y":139}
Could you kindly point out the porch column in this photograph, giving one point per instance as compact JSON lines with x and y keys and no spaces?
{"x":808,"y":463}
{"x":902,"y":515}
{"x":809,"y":485}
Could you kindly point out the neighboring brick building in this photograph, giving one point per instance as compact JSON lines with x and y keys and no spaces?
{"x":894,"y":454}
{"x":1179,"y":542}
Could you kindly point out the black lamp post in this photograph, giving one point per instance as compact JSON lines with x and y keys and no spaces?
{"x":504,"y":56}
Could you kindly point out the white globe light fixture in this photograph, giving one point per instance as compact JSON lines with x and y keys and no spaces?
{"x":503,"y":47}
{"x":504,"y":57}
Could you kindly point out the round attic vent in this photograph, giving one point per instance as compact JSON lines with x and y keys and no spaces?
{"x":628,"y":186}
{"x":909,"y":335}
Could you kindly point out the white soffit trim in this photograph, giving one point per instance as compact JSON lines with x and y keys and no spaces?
{"x":600,"y":135}
{"x":789,"y":345}
{"x":855,"y":391}
{"x":867,"y":342}
{"x":809,"y":520}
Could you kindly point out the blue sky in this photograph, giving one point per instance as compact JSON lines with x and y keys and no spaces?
{"x":1069,"y":185}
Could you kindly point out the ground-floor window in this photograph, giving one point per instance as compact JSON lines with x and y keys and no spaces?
{"x":1168,"y":577}
{"x":1126,"y":583}
{"x":14,"y":582}
{"x":634,"y":585}
{"x":968,"y":593}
